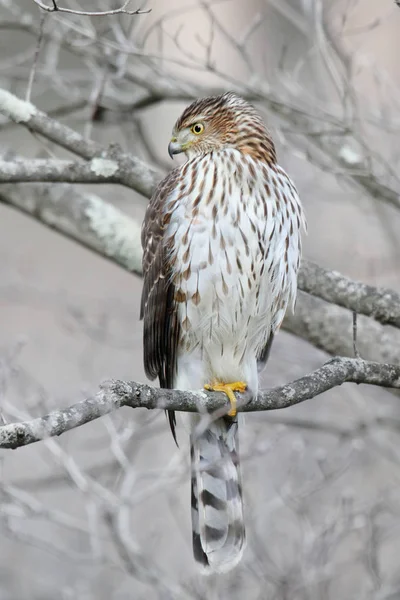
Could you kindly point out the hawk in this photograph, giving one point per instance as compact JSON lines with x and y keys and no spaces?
{"x":221,"y":241}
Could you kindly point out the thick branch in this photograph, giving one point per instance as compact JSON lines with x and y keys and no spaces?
{"x":83,"y":217}
{"x":383,"y":304}
{"x":116,"y":394}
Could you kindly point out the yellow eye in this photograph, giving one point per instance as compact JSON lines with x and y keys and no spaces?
{"x":197,"y":128}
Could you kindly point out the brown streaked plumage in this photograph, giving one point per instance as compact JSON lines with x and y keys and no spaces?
{"x":158,"y":305}
{"x":221,"y":240}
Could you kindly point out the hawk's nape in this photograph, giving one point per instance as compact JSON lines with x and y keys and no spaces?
{"x":221,"y":241}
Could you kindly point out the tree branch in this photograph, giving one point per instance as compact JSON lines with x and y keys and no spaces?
{"x":132,"y":172}
{"x":98,"y":170}
{"x":84,"y":217}
{"x":104,"y":13}
{"x":115,"y":394}
{"x":382,"y":304}
{"x":329,"y":327}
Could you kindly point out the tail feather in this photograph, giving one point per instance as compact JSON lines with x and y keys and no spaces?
{"x":217,"y":508}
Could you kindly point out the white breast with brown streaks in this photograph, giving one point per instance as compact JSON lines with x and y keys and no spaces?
{"x":234,"y":233}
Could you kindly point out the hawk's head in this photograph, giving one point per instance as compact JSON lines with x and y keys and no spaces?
{"x":219,"y":122}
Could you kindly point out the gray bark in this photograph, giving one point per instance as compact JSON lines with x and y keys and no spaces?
{"x":115,"y":394}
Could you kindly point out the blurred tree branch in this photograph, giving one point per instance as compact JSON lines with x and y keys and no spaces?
{"x":81,"y":216}
{"x":329,"y":327}
{"x":115,"y":394}
{"x":382,"y":304}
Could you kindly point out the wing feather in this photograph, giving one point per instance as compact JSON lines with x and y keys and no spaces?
{"x":158,"y":307}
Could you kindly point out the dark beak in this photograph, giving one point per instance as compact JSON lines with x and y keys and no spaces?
{"x":174,"y":148}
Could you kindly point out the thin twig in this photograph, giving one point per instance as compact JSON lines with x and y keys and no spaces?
{"x":35,"y":59}
{"x":356,"y":352}
{"x":102,"y":13}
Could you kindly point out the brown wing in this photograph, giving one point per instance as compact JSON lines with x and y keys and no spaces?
{"x":158,"y":308}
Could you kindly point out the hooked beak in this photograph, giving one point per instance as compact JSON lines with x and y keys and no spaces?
{"x":174,"y":147}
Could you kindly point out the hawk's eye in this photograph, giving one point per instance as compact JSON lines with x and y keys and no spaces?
{"x":197,"y":128}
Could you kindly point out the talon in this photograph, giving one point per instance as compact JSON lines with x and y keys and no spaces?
{"x":228,"y":389}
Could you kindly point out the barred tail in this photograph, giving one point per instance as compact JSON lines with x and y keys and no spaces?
{"x":217,"y":508}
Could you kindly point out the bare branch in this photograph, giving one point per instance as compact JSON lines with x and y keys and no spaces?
{"x":83,"y":217}
{"x":103,"y":13}
{"x":329,"y":327}
{"x":383,"y":304}
{"x":132,"y":172}
{"x":115,"y":394}
{"x":98,"y":170}
{"x":356,"y":352}
{"x":35,"y":59}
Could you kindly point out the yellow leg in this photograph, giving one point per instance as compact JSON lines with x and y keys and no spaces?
{"x":228,"y":389}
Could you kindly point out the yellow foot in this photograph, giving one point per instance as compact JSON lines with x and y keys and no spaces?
{"x":228,"y":389}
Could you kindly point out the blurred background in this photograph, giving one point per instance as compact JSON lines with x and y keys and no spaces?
{"x":103,"y":511}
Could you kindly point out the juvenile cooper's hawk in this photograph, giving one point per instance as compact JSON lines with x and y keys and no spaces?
{"x":221,"y":240}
